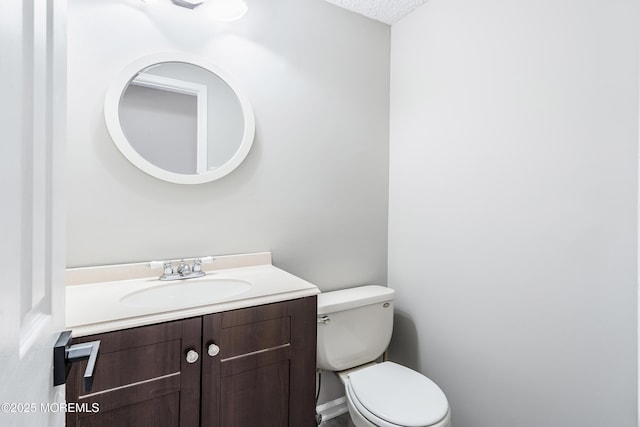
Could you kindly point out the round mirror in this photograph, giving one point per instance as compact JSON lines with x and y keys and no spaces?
{"x":179,"y":119}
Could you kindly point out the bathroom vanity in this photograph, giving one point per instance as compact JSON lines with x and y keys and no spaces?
{"x":245,"y":360}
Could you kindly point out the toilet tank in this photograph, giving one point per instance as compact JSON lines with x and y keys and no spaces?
{"x":354,"y":326}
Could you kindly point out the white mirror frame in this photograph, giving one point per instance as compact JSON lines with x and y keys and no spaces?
{"x":112,"y":119}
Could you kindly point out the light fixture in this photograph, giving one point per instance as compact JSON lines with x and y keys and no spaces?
{"x":220,"y":10}
{"x":188,"y":3}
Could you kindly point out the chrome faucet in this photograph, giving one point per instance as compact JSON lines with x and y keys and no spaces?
{"x":183,"y":271}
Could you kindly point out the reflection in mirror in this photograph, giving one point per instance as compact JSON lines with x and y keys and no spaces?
{"x":179,"y":121}
{"x":162,"y":126}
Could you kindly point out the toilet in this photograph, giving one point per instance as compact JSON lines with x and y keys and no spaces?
{"x":354,"y":330}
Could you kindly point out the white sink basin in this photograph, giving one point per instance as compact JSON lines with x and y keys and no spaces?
{"x":190,"y":292}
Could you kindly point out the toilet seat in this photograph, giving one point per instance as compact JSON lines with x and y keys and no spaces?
{"x":391,"y":395}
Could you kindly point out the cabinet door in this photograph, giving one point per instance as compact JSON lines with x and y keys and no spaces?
{"x":264,"y":373}
{"x":142,"y":378}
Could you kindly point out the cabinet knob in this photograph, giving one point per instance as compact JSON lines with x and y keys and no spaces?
{"x":192,"y":356}
{"x":213,"y":350}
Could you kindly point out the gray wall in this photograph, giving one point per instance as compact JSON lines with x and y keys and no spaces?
{"x":512,"y":223}
{"x":314,"y":188}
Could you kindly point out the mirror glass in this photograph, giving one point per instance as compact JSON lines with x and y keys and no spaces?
{"x":179,"y":119}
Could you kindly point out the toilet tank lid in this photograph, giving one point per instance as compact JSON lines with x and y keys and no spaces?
{"x":345,"y":299}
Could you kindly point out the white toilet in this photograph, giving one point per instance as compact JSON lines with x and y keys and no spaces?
{"x":354,"y":329}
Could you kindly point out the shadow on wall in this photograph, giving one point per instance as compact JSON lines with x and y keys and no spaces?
{"x":404,"y":347}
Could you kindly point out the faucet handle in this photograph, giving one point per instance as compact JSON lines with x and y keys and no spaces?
{"x":166,"y":265}
{"x":155,"y":264}
{"x":199,"y":261}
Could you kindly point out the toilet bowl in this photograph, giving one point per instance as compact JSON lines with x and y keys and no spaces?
{"x":391,"y":395}
{"x":354,"y":329}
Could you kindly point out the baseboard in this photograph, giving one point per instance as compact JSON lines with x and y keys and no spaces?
{"x":333,"y":408}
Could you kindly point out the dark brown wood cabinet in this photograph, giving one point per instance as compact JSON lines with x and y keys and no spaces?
{"x":256,"y":367}
{"x":142,"y":378}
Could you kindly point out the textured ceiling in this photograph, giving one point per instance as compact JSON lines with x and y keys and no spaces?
{"x":387,"y":11}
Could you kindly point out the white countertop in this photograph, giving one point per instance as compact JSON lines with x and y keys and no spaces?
{"x":97,"y":307}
